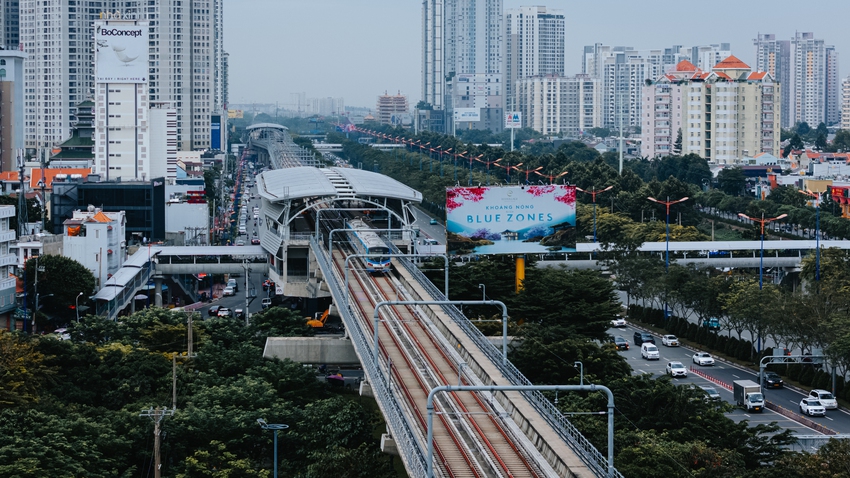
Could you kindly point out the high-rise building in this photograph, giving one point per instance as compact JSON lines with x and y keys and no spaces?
{"x":845,"y":104}
{"x":553,"y":104}
{"x":10,"y":24}
{"x":808,"y":97}
{"x":705,"y":57}
{"x":481,"y":92}
{"x":724,"y":115}
{"x":534,"y":45}
{"x":623,"y":76}
{"x":458,"y":36}
{"x":833,"y":87}
{"x":391,"y":108}
{"x":774,"y":57}
{"x":11,"y":107}
{"x":186,"y":58}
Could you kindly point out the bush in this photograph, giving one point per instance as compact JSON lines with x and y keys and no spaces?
{"x":839,"y":385}
{"x":731,"y":348}
{"x":822,"y":380}
{"x":721,"y":343}
{"x":743,"y":350}
{"x":807,"y":375}
{"x":691,"y":332}
{"x":794,"y":371}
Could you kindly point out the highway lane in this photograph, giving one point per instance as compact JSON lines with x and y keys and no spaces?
{"x":432,"y":231}
{"x":837,"y":420}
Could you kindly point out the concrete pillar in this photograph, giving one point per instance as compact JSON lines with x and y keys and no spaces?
{"x":157,"y":291}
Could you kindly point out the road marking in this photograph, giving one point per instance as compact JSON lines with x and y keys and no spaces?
{"x":735,"y":376}
{"x":792,"y":401}
{"x":827,"y":418}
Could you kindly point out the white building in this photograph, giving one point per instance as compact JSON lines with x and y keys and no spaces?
{"x":705,"y":57}
{"x":833,"y":87}
{"x":186,"y":62}
{"x":534,"y":45}
{"x":481,"y":92}
{"x":845,"y":104}
{"x":808,"y":96}
{"x":7,"y":260}
{"x":95,"y":239}
{"x":163,"y":141}
{"x":189,"y":220}
{"x":556,"y":105}
{"x":725,"y":115}
{"x":774,"y":57}
{"x":624,"y":74}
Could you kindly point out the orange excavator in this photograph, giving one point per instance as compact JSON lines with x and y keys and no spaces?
{"x":319,"y":322}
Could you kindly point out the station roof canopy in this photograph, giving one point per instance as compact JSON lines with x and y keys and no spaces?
{"x":305,"y":182}
{"x":267,"y":125}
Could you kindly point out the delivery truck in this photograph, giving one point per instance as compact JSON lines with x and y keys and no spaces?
{"x":748,"y":395}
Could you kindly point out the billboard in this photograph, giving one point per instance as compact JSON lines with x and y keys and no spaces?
{"x":215,"y":132}
{"x":467,"y":114}
{"x":121,"y":52}
{"x":511,"y":220}
{"x":513,"y":119}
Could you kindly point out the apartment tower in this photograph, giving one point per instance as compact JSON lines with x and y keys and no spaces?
{"x":534,"y":45}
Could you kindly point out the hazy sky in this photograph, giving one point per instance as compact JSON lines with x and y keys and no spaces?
{"x":357,"y":49}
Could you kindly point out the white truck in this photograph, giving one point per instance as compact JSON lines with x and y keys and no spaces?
{"x":748,"y":395}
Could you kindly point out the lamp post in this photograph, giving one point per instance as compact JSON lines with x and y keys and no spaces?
{"x":593,"y":192}
{"x":456,"y":155}
{"x":762,"y":221}
{"x":77,"y":306}
{"x":551,"y":177}
{"x":471,"y":159}
{"x":527,"y":171}
{"x":817,"y":231}
{"x":34,"y":312}
{"x":667,"y":203}
{"x":483,"y":291}
{"x":488,"y":163}
{"x":275,"y":427}
{"x":422,"y":147}
{"x":448,"y":151}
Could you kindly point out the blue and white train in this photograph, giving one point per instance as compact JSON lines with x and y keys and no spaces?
{"x":368,"y":242}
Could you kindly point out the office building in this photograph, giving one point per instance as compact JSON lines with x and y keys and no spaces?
{"x":534,"y":45}
{"x":724,"y":115}
{"x":10,"y":24}
{"x":11,"y":107}
{"x":557,"y":105}
{"x":458,"y":36}
{"x":392,"y":109}
{"x":845,"y":104}
{"x":96,"y":239}
{"x":478,"y":96}
{"x":774,"y":57}
{"x":809,"y":79}
{"x":186,"y":61}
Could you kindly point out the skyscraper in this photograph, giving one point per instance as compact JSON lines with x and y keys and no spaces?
{"x":705,"y":57}
{"x":809,"y":79}
{"x":774,"y":57}
{"x":833,"y":87}
{"x":186,"y":58}
{"x":10,"y":24}
{"x":845,"y":103}
{"x":534,"y":45}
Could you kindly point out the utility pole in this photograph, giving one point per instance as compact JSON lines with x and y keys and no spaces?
{"x":156,"y":415}
{"x":247,"y":273}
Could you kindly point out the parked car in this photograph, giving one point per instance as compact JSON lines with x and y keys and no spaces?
{"x":670,"y":341}
{"x":213,"y":311}
{"x":641,"y":337}
{"x":649,"y":351}
{"x":812,"y":407}
{"x":676,"y":369}
{"x":228,"y":291}
{"x":711,"y":393}
{"x":267,"y":303}
{"x":703,"y":358}
{"x":772,"y":380}
{"x":825,"y":398}
{"x":621,"y":343}
{"x":618,"y":322}
{"x":225,"y":312}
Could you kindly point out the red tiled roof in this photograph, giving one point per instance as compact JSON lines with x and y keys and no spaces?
{"x":720,"y":74}
{"x":757,"y":75}
{"x":50,"y":174}
{"x":701,"y":75}
{"x":685,"y":65}
{"x":9,"y":176}
{"x":731,"y":63}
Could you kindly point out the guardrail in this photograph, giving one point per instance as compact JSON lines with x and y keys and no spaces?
{"x":402,"y":432}
{"x":585,"y":450}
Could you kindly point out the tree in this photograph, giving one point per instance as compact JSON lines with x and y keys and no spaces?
{"x":803,"y":128}
{"x":22,"y":370}
{"x":33,"y":210}
{"x":796,"y":142}
{"x":820,"y":142}
{"x":60,"y":280}
{"x":732,"y":181}
{"x":677,"y":146}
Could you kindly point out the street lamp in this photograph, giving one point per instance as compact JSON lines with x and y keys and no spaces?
{"x":471,"y":159}
{"x":488,"y":163}
{"x":552,"y":177}
{"x":817,"y":231}
{"x":667,"y":203}
{"x":593,"y":194}
{"x":34,"y":312}
{"x":275,"y":427}
{"x":762,"y":221}
{"x":77,"y":306}
{"x":526,"y":171}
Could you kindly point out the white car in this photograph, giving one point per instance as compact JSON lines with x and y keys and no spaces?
{"x":676,"y":369}
{"x":228,"y":291}
{"x":703,"y":358}
{"x":812,"y":407}
{"x":825,"y":398}
{"x":649,"y":351}
{"x":618,"y":322}
{"x":670,"y":341}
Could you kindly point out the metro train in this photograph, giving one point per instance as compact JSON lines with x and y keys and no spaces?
{"x":368,"y":242}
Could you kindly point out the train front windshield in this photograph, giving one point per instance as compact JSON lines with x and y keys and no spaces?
{"x":383,"y":251}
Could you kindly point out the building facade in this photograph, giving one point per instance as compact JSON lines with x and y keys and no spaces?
{"x":8,"y":259}
{"x":11,"y":107}
{"x":534,"y":40}
{"x":808,"y":96}
{"x":706,"y":56}
{"x":774,"y":57}
{"x":833,"y":87}
{"x":557,"y":105}
{"x":725,"y":115}
{"x":845,"y":104}
{"x":96,"y":240}
{"x":10,"y":24}
{"x":391,"y":108}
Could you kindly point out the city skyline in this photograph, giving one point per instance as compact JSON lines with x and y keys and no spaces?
{"x":342,"y":45}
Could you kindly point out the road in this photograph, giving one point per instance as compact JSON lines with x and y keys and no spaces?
{"x":432,"y":231}
{"x":837,"y":420}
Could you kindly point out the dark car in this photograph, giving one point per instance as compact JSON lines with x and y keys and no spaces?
{"x":711,"y":394}
{"x":213,"y":311}
{"x":772,"y":380}
{"x":255,"y":241}
{"x":621,"y":343}
{"x":641,"y":337}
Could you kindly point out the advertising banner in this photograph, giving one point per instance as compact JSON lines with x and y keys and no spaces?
{"x":215,"y":132}
{"x":121,"y":52}
{"x":467,"y":114}
{"x":513,"y":119}
{"x":511,"y":220}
